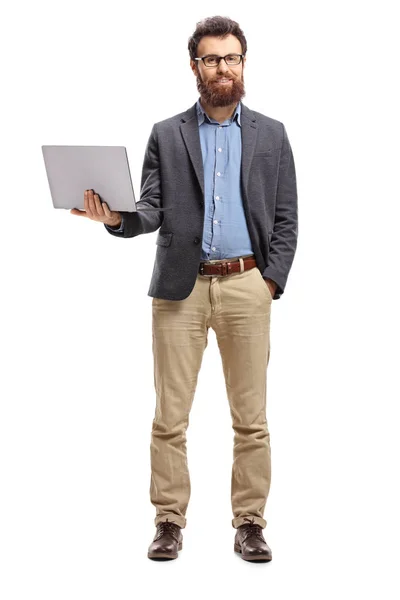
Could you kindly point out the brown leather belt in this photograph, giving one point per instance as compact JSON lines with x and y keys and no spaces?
{"x":226,"y":266}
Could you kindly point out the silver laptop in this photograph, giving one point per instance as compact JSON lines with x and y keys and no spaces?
{"x":73,"y":169}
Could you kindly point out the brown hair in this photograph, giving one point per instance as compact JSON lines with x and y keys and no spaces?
{"x":218,"y":27}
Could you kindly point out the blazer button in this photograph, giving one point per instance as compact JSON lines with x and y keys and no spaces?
{"x":196,"y":240}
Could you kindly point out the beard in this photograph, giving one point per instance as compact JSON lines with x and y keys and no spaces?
{"x":216,"y":94}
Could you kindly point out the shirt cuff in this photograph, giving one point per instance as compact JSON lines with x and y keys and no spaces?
{"x":120,"y":228}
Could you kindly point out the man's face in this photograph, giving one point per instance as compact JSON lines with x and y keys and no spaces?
{"x":213,"y":92}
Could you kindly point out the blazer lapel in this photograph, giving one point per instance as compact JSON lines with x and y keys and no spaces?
{"x":191,"y":137}
{"x":190,"y":133}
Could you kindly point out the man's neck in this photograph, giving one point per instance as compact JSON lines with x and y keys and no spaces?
{"x":219,"y":113}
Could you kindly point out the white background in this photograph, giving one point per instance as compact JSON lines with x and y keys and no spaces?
{"x":77,"y":396}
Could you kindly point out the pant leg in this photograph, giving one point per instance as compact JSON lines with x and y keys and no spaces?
{"x":180,"y":331}
{"x":241,"y":308}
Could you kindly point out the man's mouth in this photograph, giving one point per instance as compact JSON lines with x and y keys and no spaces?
{"x":223,"y":80}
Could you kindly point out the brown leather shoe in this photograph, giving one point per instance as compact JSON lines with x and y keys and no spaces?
{"x":167,"y":541}
{"x":250,"y":542}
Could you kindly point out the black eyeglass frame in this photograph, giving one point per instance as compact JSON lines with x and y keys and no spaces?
{"x":219,"y":59}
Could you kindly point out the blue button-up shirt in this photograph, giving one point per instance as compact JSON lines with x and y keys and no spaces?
{"x":225,"y":232}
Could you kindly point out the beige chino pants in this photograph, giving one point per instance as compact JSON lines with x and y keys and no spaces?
{"x":238,"y":308}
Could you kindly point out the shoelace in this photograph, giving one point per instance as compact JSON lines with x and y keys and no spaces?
{"x":252,"y":529}
{"x":168,"y":526}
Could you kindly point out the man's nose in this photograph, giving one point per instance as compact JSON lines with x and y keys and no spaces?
{"x":222,"y":67}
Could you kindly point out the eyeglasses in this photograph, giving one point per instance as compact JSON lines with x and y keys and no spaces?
{"x":212,"y":60}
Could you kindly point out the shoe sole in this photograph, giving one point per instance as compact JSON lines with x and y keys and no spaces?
{"x":165,"y":555}
{"x":259,"y":558}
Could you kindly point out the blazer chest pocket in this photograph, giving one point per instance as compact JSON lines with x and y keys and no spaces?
{"x":164,"y":238}
{"x":265,"y":153}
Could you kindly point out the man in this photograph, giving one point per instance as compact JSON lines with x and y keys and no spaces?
{"x":224,"y":252}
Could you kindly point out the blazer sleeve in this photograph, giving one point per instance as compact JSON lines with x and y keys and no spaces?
{"x":284,"y":236}
{"x":134,"y":223}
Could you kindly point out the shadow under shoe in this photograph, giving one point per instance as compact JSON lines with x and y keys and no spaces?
{"x":167,"y":541}
{"x":250,"y":542}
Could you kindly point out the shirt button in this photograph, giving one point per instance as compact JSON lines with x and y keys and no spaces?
{"x":218,"y":173}
{"x":217,"y":197}
{"x":215,"y":221}
{"x":213,"y":248}
{"x":219,"y":149}
{"x":220,"y":127}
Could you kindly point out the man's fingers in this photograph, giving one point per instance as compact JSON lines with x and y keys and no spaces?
{"x":76,"y":211}
{"x":92,"y":206}
{"x":99,"y":208}
{"x":95,"y":208}
{"x":106,"y":209}
{"x":86,"y":202}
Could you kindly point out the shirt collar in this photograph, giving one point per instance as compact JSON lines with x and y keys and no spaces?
{"x":202,"y":115}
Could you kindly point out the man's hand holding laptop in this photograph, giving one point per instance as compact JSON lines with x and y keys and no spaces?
{"x":96,"y":210}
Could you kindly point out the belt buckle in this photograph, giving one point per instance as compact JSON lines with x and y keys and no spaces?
{"x":222,"y":267}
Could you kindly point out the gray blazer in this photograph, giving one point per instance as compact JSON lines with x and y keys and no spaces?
{"x":173,"y":177}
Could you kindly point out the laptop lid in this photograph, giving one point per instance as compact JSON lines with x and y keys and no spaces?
{"x":73,"y":169}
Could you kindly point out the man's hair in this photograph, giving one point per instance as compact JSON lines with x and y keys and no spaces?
{"x":217,"y":27}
